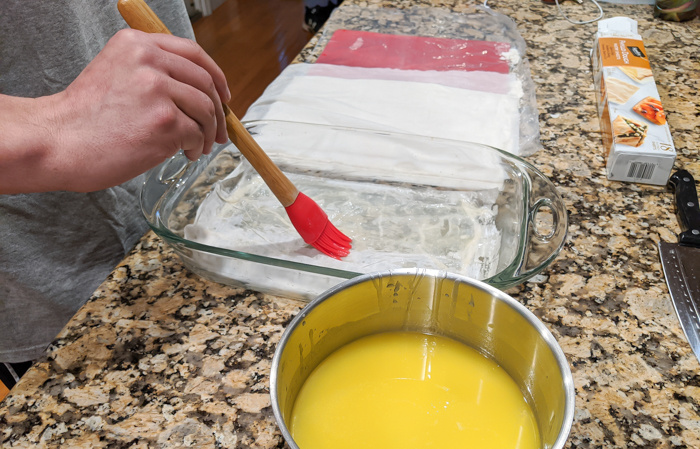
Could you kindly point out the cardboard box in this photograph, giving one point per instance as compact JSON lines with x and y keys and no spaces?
{"x":636,"y":137}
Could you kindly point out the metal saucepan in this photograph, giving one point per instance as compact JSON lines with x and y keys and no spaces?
{"x":433,"y":302}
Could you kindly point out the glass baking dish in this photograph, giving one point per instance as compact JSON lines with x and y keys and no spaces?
{"x":406,"y":201}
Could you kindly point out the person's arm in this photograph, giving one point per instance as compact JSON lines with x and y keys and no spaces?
{"x":143,"y":98}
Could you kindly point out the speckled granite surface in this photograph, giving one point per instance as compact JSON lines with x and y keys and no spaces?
{"x":160,"y":357}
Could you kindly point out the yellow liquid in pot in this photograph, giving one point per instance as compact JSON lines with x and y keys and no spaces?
{"x":409,"y":390}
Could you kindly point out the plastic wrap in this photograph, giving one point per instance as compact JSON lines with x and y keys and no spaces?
{"x":380,"y":101}
{"x":424,"y":28}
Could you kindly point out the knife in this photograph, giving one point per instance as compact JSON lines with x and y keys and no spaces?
{"x":681,"y":261}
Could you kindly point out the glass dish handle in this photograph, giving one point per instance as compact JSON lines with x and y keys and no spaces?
{"x":547,"y":225}
{"x":544,"y":220}
{"x":173,"y":169}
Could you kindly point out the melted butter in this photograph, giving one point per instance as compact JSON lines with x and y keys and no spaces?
{"x":410,"y":390}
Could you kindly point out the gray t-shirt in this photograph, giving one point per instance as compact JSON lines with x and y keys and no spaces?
{"x":56,"y":248}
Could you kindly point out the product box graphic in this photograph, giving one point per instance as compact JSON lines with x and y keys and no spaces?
{"x":636,"y":137}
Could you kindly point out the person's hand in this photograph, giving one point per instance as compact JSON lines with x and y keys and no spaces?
{"x":143,"y":98}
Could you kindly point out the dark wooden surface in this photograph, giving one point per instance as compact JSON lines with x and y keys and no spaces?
{"x":252,"y":41}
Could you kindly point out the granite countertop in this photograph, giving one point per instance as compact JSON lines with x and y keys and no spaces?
{"x":160,"y":357}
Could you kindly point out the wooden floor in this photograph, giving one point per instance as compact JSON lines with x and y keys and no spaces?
{"x":252,"y":41}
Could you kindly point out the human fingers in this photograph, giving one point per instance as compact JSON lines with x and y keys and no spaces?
{"x":168,"y":129}
{"x":199,"y":107}
{"x":209,"y":115}
{"x":192,"y":51}
{"x":190,"y":137}
{"x":164,"y":54}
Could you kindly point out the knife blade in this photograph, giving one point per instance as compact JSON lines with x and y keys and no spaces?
{"x":681,"y":261}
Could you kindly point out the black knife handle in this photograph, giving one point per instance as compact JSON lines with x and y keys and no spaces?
{"x":687,"y":207}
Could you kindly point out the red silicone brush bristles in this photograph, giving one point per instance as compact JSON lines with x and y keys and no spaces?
{"x":312,"y":223}
{"x":333,"y":242}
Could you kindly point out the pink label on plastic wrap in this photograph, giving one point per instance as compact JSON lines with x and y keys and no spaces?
{"x":367,"y":49}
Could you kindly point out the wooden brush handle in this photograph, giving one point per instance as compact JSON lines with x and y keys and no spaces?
{"x":139,"y":16}
{"x":279,"y":184}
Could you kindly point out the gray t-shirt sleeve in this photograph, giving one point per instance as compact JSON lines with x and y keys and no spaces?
{"x":56,"y":248}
